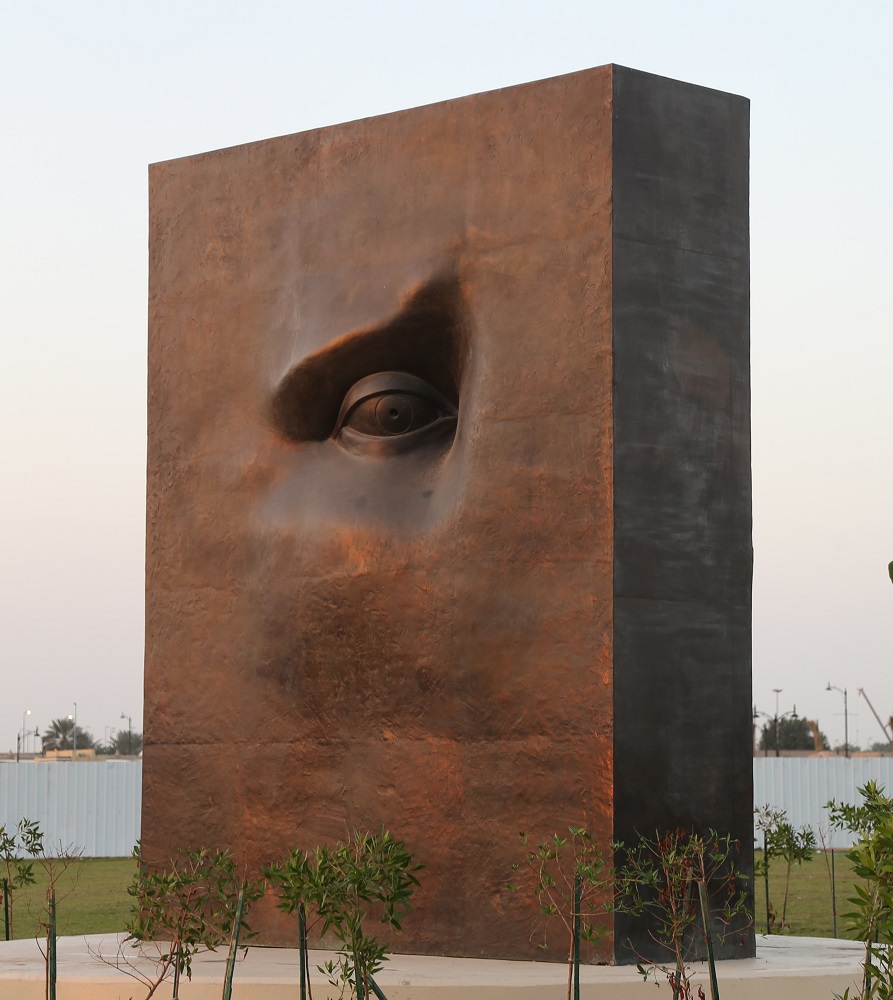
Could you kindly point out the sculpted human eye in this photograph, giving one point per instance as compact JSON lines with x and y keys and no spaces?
{"x":387,"y":389}
{"x":391,"y":412}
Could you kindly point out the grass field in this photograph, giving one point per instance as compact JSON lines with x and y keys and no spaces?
{"x":92,"y":898}
{"x":809,"y":911}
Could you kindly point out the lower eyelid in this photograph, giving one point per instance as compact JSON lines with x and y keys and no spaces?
{"x":375,"y":445}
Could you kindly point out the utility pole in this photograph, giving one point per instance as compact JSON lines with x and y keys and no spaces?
{"x":846,"y":730}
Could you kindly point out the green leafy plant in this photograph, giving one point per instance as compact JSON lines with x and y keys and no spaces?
{"x":872,"y":859}
{"x":20,"y":853}
{"x":782,"y":840}
{"x":18,"y":849}
{"x":571,"y":884}
{"x":54,"y":864}
{"x":827,"y":853}
{"x":195,"y":904}
{"x":689,"y":889}
{"x":765,"y":820}
{"x":335,"y":887}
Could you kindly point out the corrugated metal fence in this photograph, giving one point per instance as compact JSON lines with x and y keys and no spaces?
{"x":95,"y":807}
{"x":802,"y":785}
{"x":91,"y":807}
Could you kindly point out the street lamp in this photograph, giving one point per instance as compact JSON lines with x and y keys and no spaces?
{"x":129,"y":734}
{"x":765,"y":715}
{"x":792,"y":714}
{"x":846,"y":731}
{"x":74,"y":719}
{"x":775,"y":720}
{"x":25,"y":715}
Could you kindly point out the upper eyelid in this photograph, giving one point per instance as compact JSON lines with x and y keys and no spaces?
{"x":386,"y":382}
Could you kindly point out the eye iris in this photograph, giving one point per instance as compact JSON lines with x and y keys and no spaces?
{"x":394,"y":413}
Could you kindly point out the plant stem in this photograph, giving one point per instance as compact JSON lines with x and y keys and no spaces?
{"x":680,"y":972}
{"x":234,"y":945}
{"x":677,"y":943}
{"x":578,"y":895}
{"x":787,"y":886}
{"x":766,"y":882}
{"x":833,"y":894}
{"x":376,"y":989}
{"x":869,"y":937}
{"x":302,"y":939}
{"x":51,"y":944}
{"x":570,"y":968}
{"x":705,"y":918}
{"x":357,"y":974}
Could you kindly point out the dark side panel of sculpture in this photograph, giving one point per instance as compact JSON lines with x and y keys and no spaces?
{"x":682,"y":509}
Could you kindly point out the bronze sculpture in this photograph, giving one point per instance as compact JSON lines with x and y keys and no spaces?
{"x":449,"y":471}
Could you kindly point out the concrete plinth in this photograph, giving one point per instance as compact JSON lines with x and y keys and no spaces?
{"x":785,"y":968}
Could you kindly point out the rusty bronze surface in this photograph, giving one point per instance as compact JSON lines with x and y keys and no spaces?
{"x":382,"y":491}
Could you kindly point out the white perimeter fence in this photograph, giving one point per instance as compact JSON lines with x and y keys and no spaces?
{"x":91,"y":807}
{"x":802,"y":785}
{"x":95,"y":807}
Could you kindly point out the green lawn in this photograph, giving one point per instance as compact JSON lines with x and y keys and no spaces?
{"x":809,"y":911}
{"x":91,"y":897}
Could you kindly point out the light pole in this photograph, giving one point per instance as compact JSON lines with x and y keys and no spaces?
{"x":25,"y":715}
{"x":846,"y":730}
{"x":129,"y":734}
{"x":777,"y":693}
{"x":779,"y":718}
{"x":775,"y":720}
{"x":74,"y":720}
{"x":765,"y":715}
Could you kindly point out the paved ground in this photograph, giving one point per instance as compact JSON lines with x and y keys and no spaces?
{"x":786,"y":968}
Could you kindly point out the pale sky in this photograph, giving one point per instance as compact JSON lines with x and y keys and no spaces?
{"x":90,"y":93}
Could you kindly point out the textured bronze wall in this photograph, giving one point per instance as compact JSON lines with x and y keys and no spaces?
{"x":420,"y":633}
{"x":339,"y":638}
